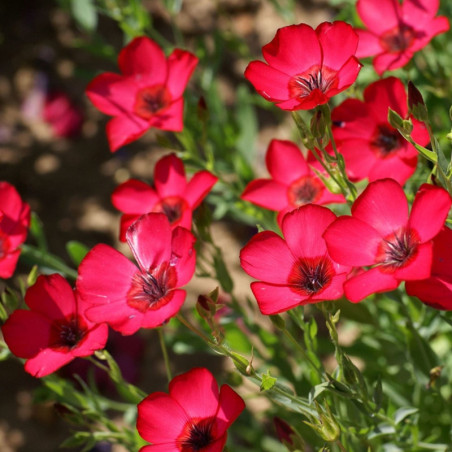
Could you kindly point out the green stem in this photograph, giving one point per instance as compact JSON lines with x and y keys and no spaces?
{"x":165,"y":354}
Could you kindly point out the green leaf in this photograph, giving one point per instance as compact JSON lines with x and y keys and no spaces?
{"x":403,"y":413}
{"x":76,"y":251}
{"x":267,"y":381}
{"x":382,"y":430}
{"x":84,"y":12}
{"x":37,"y":231}
{"x":222,"y":273}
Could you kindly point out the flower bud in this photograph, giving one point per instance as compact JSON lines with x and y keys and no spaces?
{"x":325,"y":425}
{"x":416,"y":103}
{"x":287,"y":435}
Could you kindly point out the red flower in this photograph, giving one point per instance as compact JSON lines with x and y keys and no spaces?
{"x":55,"y":330}
{"x":371,"y":147}
{"x":298,"y":270}
{"x":306,"y":67}
{"x":380,"y":234}
{"x":64,"y":118}
{"x":293,"y":183}
{"x":147,"y":94}
{"x":396,"y":31}
{"x":436,"y":291}
{"x":172,"y":196}
{"x":128,"y":297}
{"x":192,"y":417}
{"x":14,"y":223}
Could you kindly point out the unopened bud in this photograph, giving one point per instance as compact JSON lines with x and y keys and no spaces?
{"x":395,"y":119}
{"x":416,"y":103}
{"x":325,"y":425}
{"x":288,"y":436}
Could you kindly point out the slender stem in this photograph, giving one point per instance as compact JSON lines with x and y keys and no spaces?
{"x":192,"y":328}
{"x":340,"y":445}
{"x":165,"y":354}
{"x":98,"y":364}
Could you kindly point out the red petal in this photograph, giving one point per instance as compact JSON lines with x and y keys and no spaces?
{"x":95,"y":339}
{"x":379,"y":16}
{"x":23,"y":325}
{"x":52,"y":296}
{"x":419,"y":267}
{"x":352,"y":242}
{"x":273,"y":299}
{"x":11,"y":205}
{"x":169,"y":177}
{"x":157,"y":317}
{"x":229,"y":409}
{"x":394,"y":167}
{"x":125,"y":223}
{"x":171,"y":118}
{"x":359,"y":158}
{"x":383,"y":94}
{"x":383,"y":205}
{"x":339,"y":42}
{"x":436,"y":292}
{"x":160,"y":419}
{"x":391,"y":61}
{"x":268,"y":81}
{"x":368,"y":283}
{"x":122,"y":130}
{"x":419,"y":13}
{"x":266,"y":193}
{"x":105,"y":276}
{"x":181,"y":65}
{"x":112,"y":94}
{"x":143,"y":56}
{"x":149,"y":239}
{"x":303,"y":229}
{"x":285,"y":162}
{"x":183,"y":255}
{"x":368,"y":44}
{"x":198,"y":187}
{"x":267,"y":257}
{"x":196,"y":391}
{"x":134,"y":197}
{"x":429,"y":212}
{"x":346,"y":76}
{"x":46,"y":362}
{"x":294,"y":49}
{"x":354,"y":120}
{"x":8,"y":264}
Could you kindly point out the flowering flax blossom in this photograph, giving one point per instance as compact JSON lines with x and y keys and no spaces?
{"x":128,"y":297}
{"x":371,"y":147}
{"x":396,"y":31}
{"x":436,"y":291}
{"x":293,"y":183}
{"x":173,"y":195}
{"x":193,"y":417}
{"x":14,"y":224}
{"x":382,"y":235}
{"x":306,"y":67}
{"x":296,"y":270}
{"x":147,"y":94}
{"x":54,"y":330}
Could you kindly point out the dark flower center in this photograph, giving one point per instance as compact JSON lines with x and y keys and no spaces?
{"x":310,"y":275}
{"x":398,"y":39}
{"x":67,"y":333}
{"x":386,"y":140}
{"x":173,"y":207}
{"x":197,"y":435}
{"x":151,"y":100}
{"x":398,"y":249}
{"x":305,"y":190}
{"x":315,"y":78}
{"x":149,"y":289}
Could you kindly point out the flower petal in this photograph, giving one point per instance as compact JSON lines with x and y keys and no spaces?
{"x":368,"y":44}
{"x":122,"y":130}
{"x":171,"y":118}
{"x":46,"y":362}
{"x":199,"y":186}
{"x":391,"y":61}
{"x":157,"y":317}
{"x":269,"y":82}
{"x":181,"y":65}
{"x":429,"y":212}
{"x":169,"y":176}
{"x":383,"y":205}
{"x":134,"y":197}
{"x":273,"y":299}
{"x":419,"y":267}
{"x":303,"y":229}
{"x":196,"y":391}
{"x":352,"y":242}
{"x":149,"y":238}
{"x":143,"y":56}
{"x":267,"y":257}
{"x":369,"y":282}
{"x":338,"y":41}
{"x":294,"y":49}
{"x":379,"y":16}
{"x":183,"y":254}
{"x":229,"y":408}
{"x":266,"y":193}
{"x":285,"y":162}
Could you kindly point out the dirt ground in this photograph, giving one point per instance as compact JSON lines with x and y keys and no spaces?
{"x":68,"y":182}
